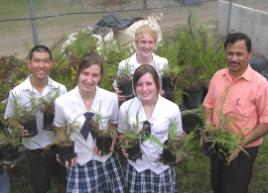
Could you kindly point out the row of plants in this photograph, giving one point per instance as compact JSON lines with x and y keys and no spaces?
{"x":194,"y":55}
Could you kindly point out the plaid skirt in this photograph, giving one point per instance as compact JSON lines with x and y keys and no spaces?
{"x":149,"y":182}
{"x":96,"y":177}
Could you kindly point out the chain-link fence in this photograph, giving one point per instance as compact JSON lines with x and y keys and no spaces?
{"x":54,"y":20}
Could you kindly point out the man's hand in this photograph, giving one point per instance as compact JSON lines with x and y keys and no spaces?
{"x":233,"y":155}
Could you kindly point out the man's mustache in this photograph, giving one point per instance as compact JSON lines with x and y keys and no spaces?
{"x":233,"y":62}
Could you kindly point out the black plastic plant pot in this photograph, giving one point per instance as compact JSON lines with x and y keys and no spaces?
{"x":66,"y":152}
{"x":169,"y":88}
{"x":48,"y":120}
{"x":31,"y":126}
{"x":134,"y":152}
{"x":193,"y":98}
{"x":170,"y":95}
{"x":126,"y":88}
{"x":9,"y":154}
{"x":103,"y":143}
{"x":168,"y":84}
{"x":208,"y":148}
{"x":168,"y":158}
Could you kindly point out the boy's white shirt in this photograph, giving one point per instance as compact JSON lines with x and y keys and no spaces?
{"x":23,"y":92}
{"x":158,"y":62}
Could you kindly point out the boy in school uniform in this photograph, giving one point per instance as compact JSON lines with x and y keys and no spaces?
{"x":42,"y":166}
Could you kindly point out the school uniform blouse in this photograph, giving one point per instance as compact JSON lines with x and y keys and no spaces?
{"x":158,"y":62}
{"x":23,"y":93}
{"x":164,"y":112}
{"x":70,"y":107}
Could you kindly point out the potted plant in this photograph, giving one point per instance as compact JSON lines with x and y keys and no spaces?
{"x":46,"y":105}
{"x":200,"y":54}
{"x":220,"y":140}
{"x":191,"y":83}
{"x":131,"y":139}
{"x":9,"y":143}
{"x":124,"y":81}
{"x":103,"y":136}
{"x":24,"y":115}
{"x":169,"y":77}
{"x":176,"y":147}
{"x":65,"y":145}
{"x":130,"y":142}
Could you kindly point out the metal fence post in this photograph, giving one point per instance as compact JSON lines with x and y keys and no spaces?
{"x":145,"y":4}
{"x":229,"y":16}
{"x":34,"y":29}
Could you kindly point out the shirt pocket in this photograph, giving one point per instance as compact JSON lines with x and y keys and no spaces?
{"x":103,"y":122}
{"x":244,"y":108}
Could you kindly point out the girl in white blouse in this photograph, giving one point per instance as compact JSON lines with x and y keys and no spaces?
{"x":149,"y":174}
{"x":90,"y":171}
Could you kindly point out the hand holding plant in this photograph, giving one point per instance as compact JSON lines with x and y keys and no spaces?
{"x":226,"y":144}
{"x":105,"y":139}
{"x":177,"y":147}
{"x":65,"y":145}
{"x":23,"y":116}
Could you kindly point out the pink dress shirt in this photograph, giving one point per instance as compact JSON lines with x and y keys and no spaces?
{"x":244,"y":101}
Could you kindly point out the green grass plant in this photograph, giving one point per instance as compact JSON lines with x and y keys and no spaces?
{"x":112,"y":54}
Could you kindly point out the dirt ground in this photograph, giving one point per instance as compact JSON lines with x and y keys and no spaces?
{"x":16,"y":37}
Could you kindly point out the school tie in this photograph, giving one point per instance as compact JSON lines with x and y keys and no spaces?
{"x":147,"y":127}
{"x":86,"y":128}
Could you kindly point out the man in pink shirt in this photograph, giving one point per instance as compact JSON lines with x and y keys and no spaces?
{"x":241,"y":94}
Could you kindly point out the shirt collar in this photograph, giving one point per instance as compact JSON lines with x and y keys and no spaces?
{"x":133,"y":59}
{"x":247,"y":75}
{"x":156,"y":110}
{"x":27,"y":85}
{"x":96,"y":100}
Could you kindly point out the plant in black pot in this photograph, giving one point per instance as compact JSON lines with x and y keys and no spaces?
{"x":24,"y":115}
{"x":176,"y":147}
{"x":222,"y":141}
{"x":124,"y":82}
{"x":46,"y":105}
{"x":130,"y":142}
{"x":191,"y":83}
{"x":130,"y":139}
{"x":104,"y":136}
{"x":9,"y":143}
{"x":64,"y":142}
{"x":201,"y":54}
{"x":169,"y":76}
{"x":170,"y":154}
